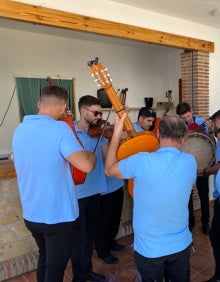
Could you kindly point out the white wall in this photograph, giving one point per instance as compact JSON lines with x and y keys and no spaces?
{"x":27,"y":50}
{"x":109,"y":10}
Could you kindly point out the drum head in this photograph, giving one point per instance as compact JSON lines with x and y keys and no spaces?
{"x":201,"y":147}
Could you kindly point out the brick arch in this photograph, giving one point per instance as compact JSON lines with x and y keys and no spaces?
{"x":195,"y":81}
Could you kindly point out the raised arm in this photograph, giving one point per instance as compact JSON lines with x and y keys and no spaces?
{"x":111,"y":165}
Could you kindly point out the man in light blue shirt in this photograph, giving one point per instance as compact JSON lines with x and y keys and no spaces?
{"x":162,"y":187}
{"x":88,"y":193}
{"x":214,"y":233}
{"x":146,"y":119}
{"x":194,"y":122}
{"x":43,"y":149}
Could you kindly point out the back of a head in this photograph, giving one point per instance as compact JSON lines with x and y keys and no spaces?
{"x":172,"y":127}
{"x":53,"y":94}
{"x":146,"y":112}
{"x":87,"y":101}
{"x":183,"y":108}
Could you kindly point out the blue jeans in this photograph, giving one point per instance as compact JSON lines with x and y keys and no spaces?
{"x":55,"y":243}
{"x":174,"y":267}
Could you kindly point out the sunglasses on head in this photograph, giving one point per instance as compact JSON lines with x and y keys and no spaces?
{"x":150,"y":111}
{"x":95,"y":113}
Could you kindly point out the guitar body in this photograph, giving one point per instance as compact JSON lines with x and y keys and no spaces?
{"x":194,"y":127}
{"x":78,"y":176}
{"x":142,"y":142}
{"x":130,"y":187}
{"x":156,"y":125}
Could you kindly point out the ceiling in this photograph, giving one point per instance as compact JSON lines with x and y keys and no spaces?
{"x":206,"y":12}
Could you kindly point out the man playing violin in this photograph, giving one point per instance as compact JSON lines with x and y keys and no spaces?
{"x":194,"y":122}
{"x":89,"y":192}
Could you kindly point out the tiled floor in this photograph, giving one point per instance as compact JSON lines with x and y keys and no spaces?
{"x":202,"y":262}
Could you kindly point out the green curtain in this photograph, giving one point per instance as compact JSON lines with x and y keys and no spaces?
{"x":28,"y":92}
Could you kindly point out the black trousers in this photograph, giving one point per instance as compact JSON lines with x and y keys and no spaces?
{"x":174,"y":267}
{"x":214,"y":236}
{"x":55,"y":243}
{"x":202,"y":184}
{"x":109,"y":221}
{"x":81,"y":258}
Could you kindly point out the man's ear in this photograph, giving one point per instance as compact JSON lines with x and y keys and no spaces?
{"x":63,"y":108}
{"x":38,"y":105}
{"x":182,"y":139}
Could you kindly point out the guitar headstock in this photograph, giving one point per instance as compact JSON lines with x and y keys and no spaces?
{"x":100,"y":74}
{"x":122,"y":96}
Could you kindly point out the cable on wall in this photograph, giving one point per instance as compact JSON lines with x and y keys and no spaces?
{"x":8,"y":107}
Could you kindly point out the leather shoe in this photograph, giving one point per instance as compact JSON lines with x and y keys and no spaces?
{"x":205,"y":229}
{"x":95,"y":277}
{"x":118,"y":247}
{"x":110,"y":259}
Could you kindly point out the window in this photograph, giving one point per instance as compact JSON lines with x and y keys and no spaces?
{"x":28,"y":93}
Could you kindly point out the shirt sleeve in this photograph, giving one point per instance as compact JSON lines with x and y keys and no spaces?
{"x":69,"y":143}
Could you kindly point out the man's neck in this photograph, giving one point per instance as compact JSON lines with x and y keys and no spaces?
{"x":82,"y":124}
{"x":167,"y":142}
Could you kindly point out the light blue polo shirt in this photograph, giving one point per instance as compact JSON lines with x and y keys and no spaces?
{"x":216,"y":192}
{"x":113,"y":184}
{"x":40,"y":147}
{"x":137,"y":127}
{"x":95,"y":182}
{"x":163,"y":182}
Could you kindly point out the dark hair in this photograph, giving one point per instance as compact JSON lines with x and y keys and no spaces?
{"x":146,"y":112}
{"x":215,"y":115}
{"x":183,"y":108}
{"x":172,"y":127}
{"x":87,"y":100}
{"x":54,"y":91}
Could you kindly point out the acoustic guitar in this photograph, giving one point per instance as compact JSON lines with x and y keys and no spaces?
{"x":144,"y":141}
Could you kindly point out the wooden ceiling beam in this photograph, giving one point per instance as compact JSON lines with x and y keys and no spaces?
{"x":50,"y":17}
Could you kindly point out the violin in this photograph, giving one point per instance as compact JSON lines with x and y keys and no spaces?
{"x":102,"y":128}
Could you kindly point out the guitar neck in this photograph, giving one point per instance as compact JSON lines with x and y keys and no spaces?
{"x":120,"y":110}
{"x":103,"y":79}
